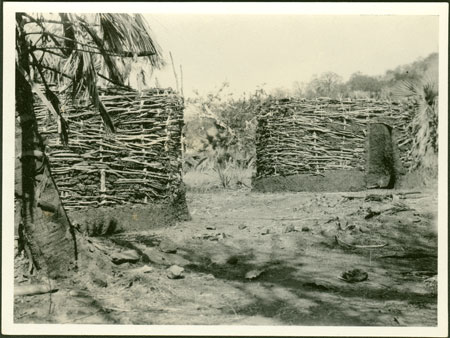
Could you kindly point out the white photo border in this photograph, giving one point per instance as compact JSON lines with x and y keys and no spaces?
{"x":7,"y":324}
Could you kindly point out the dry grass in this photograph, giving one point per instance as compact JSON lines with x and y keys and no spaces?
{"x":423,"y":178}
{"x":207,"y":179}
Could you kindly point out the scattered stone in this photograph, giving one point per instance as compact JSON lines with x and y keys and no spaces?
{"x":175,"y":272}
{"x":155,"y":256}
{"x":100,"y":282}
{"x":265,"y":232}
{"x":399,"y":321}
{"x":364,"y":229}
{"x":289,"y":228}
{"x":232,"y":260}
{"x":305,"y":228}
{"x":125,"y":256}
{"x":316,"y":286}
{"x":210,"y":227}
{"x":354,"y":276}
{"x":203,"y":236}
{"x":242,"y":227}
{"x":253,"y":274}
{"x":125,"y":321}
{"x":117,"y":273}
{"x":77,"y":293}
{"x":210,"y":276}
{"x":221,"y":236}
{"x":371,"y":213}
{"x":333,"y":219}
{"x":350,"y":227}
{"x":168,"y":246}
{"x":142,"y":269}
{"x":378,"y":197}
{"x":212,"y":237}
{"x":396,"y":207}
{"x":431,"y":284}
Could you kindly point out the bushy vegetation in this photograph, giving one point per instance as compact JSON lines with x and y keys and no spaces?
{"x":359,"y":85}
{"x":219,"y":135}
{"x":422,"y":99}
{"x":417,"y":87}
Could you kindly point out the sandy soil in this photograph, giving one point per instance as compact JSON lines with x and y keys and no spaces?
{"x":259,"y":259}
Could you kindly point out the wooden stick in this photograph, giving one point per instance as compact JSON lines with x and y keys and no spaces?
{"x":181,"y":75}
{"x":174,"y":72}
{"x":33,"y":289}
{"x":342,"y":243}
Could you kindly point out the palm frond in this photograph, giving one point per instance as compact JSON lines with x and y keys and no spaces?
{"x":69,"y":33}
{"x":109,"y":61}
{"x":405,"y":89}
{"x":430,"y":90}
{"x":90,"y":83}
{"x":424,"y":122}
{"x":127,"y":32}
{"x":51,"y":101}
{"x":72,"y":51}
{"x":84,"y":83}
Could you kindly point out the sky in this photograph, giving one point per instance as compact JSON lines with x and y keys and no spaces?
{"x":274,"y":51}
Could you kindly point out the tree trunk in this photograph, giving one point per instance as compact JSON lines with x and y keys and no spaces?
{"x":45,"y":227}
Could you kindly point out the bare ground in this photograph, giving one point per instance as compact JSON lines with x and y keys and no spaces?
{"x":288,"y":243}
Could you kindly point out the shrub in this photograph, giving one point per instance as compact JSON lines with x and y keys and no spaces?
{"x":421,"y":97}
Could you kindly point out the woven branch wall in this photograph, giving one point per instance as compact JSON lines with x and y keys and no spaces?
{"x":299,"y":136}
{"x":140,"y":163}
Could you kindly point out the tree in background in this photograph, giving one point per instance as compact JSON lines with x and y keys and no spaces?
{"x":70,"y":51}
{"x":411,"y":73}
{"x":359,"y":85}
{"x":298,"y":89}
{"x":369,"y":85}
{"x":328,"y":84}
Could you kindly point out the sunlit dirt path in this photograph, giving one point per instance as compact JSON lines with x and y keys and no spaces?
{"x":265,"y":259}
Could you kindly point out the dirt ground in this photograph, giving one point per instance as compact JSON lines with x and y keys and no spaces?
{"x":259,"y":259}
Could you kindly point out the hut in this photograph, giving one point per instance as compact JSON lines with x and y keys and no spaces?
{"x":330,"y":145}
{"x":133,"y":174}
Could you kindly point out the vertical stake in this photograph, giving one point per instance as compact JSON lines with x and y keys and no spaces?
{"x":145,"y":160}
{"x":58,"y":141}
{"x":181,"y":81}
{"x":102,"y":172}
{"x":315,"y":151}
{"x":102,"y":180}
{"x":342,"y":152}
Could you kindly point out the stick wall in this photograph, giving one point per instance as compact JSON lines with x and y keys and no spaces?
{"x":140,"y":163}
{"x":300,"y":136}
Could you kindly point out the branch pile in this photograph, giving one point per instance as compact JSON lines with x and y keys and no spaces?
{"x":140,"y":163}
{"x":300,"y":136}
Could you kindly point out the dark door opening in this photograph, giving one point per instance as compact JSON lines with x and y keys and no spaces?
{"x":382,"y":160}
